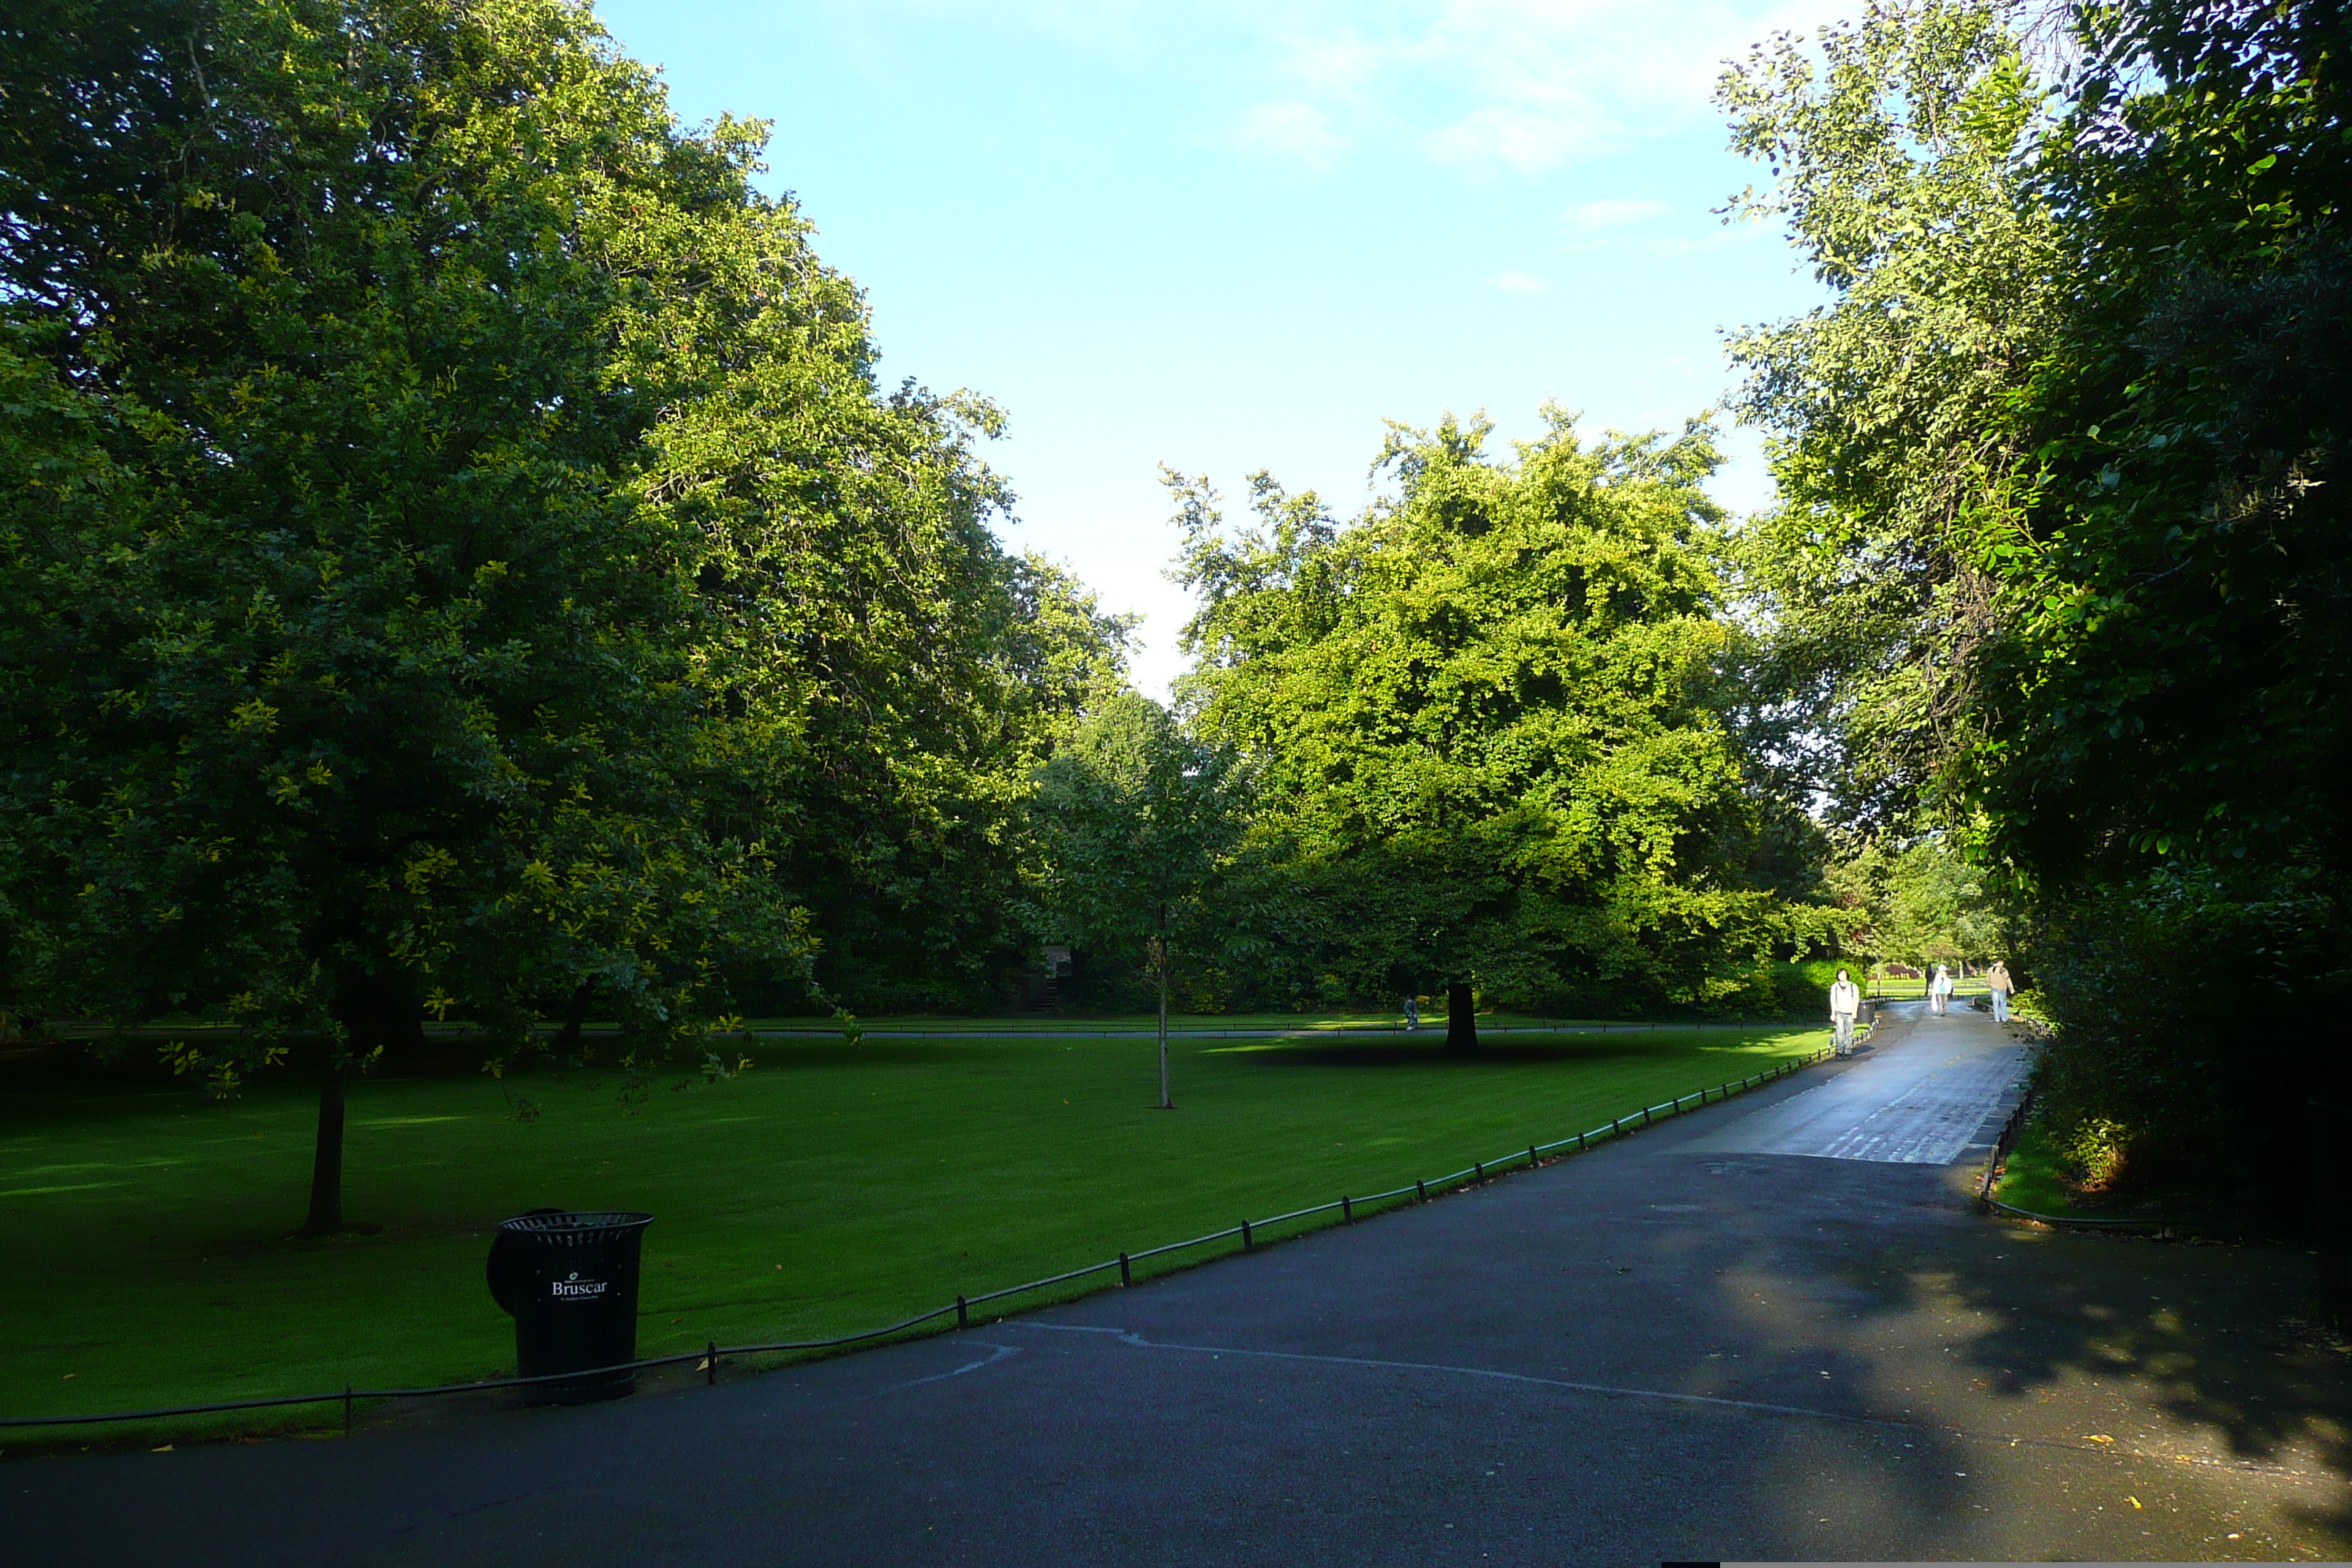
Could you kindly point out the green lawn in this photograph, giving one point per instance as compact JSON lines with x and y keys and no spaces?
{"x":1895,"y":987}
{"x":1433,"y":1023}
{"x":2035,"y":1178}
{"x":829,"y":1189}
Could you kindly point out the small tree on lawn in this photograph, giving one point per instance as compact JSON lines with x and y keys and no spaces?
{"x":1135,"y":818}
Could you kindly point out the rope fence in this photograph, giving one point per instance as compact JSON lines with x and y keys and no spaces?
{"x":1248,"y":1232}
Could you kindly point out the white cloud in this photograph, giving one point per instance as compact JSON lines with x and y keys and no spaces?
{"x":1517,"y":87}
{"x":1518,"y":283}
{"x":1596,"y":217}
{"x":1528,"y":142}
{"x":1290,"y":131}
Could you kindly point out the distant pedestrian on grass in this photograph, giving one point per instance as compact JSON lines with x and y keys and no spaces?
{"x":1996,"y":977}
{"x":1940,"y":991}
{"x":1413,"y":1012}
{"x":1845,"y":1001}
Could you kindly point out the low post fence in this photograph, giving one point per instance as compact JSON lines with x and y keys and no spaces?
{"x":1249,"y":1231}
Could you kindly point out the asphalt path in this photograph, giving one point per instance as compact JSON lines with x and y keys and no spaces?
{"x":1693,"y":1344}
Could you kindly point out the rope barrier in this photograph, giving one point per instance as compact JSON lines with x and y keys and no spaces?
{"x":961,"y":1307}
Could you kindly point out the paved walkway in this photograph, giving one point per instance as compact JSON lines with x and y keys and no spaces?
{"x":1925,"y":1104}
{"x":1671,"y":1348}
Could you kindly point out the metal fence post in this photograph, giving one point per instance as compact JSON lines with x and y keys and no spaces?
{"x":1532,"y":1162}
{"x":963,"y":1314}
{"x":1126,"y":1276}
{"x":1421,"y":1189}
{"x":1347,"y":1207}
{"x":1247,"y":1244}
{"x":1481,"y":1166}
{"x":346,"y":1410}
{"x":710,"y":1366}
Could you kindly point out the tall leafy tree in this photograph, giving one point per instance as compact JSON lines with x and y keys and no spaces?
{"x":921,"y":908}
{"x":2166,"y":741}
{"x":2176,"y":681}
{"x":1900,"y":146}
{"x":1480,"y":720}
{"x":458,"y":555}
{"x":2128,"y":698}
{"x":1135,"y":818}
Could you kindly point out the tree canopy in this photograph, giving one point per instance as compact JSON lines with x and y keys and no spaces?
{"x":1480,"y":720}
{"x":2106,"y":300}
{"x":1134,"y":818}
{"x":456,"y":553}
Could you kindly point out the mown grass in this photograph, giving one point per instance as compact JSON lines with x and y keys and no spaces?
{"x":2037,"y":1178}
{"x":829,"y":1189}
{"x":1896,"y":988}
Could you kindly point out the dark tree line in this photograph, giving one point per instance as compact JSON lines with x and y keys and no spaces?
{"x":2061,"y":566}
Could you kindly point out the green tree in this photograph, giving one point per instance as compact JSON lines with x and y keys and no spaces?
{"x":454,"y":554}
{"x":2174,"y":683}
{"x":1921,"y":904}
{"x":2169,"y":713}
{"x":1900,"y":146}
{"x":1134,"y":818}
{"x":2127,"y":694}
{"x":1480,"y":720}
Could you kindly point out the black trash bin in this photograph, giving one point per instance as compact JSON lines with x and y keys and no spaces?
{"x":569,"y":1281}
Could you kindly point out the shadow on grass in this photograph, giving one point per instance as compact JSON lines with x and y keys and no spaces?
{"x":1517,"y":1053}
{"x":1624,"y":1047}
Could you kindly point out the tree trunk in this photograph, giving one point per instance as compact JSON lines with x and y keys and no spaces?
{"x":1461,"y":1016}
{"x":327,"y":1158}
{"x":377,"y":1010}
{"x":575,"y":1018}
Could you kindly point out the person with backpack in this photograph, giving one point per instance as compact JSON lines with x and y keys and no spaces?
{"x":1845,"y":1004}
{"x":1998,"y":981}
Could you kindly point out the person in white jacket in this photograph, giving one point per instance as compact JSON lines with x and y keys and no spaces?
{"x":1845,"y":1003}
{"x":1940,"y":991}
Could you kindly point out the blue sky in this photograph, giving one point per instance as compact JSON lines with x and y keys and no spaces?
{"x":1238,"y":236}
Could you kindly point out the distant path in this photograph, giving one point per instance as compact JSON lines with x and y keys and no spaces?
{"x":1922,"y":1105}
{"x":1674,"y":1347}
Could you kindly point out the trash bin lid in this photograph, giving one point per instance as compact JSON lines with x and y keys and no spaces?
{"x":573,"y":1223}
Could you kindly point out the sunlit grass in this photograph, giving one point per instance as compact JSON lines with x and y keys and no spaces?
{"x":829,"y":1189}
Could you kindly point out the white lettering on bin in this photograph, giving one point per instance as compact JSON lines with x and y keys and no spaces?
{"x":576,"y":1287}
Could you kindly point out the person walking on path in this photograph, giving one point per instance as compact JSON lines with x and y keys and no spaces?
{"x":1845,"y":1001}
{"x":1997,"y":979}
{"x":1940,"y":991}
